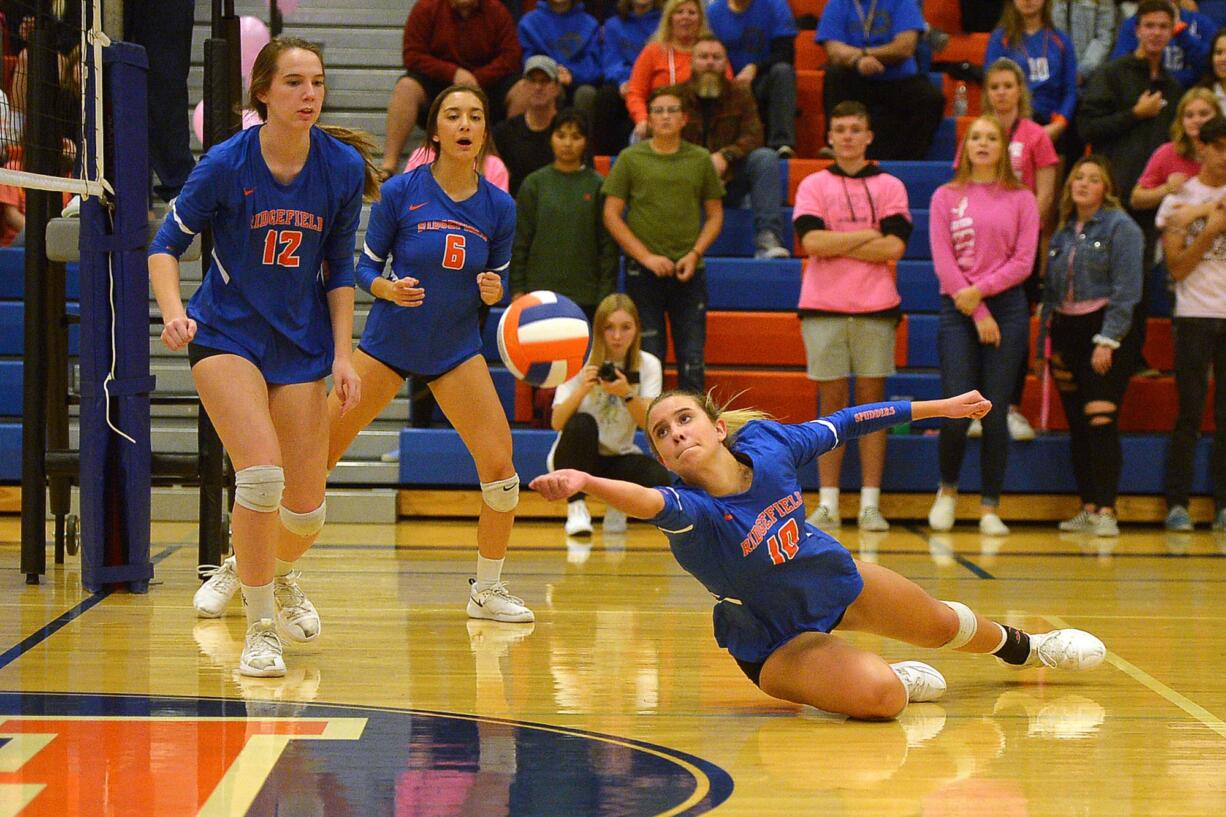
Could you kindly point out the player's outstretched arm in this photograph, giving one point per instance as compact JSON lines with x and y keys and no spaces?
{"x":633,"y":500}
{"x":971,"y":405}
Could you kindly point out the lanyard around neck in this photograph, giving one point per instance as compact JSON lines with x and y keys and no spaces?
{"x":866,"y":21}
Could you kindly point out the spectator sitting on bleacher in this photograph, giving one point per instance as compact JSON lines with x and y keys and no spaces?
{"x":1091,"y":25}
{"x":561,"y":243}
{"x":1093,"y":282}
{"x":563,"y":31}
{"x":1215,"y":78}
{"x":983,"y":228}
{"x":760,"y":36}
{"x":722,"y":117}
{"x":465,"y":42}
{"x":1035,"y":163}
{"x":1193,"y":224}
{"x":1026,"y":36}
{"x":1178,"y":160}
{"x":665,"y":60}
{"x":675,"y":214}
{"x":852,"y":221}
{"x":625,"y":35}
{"x":1187,"y":53}
{"x":598,"y":411}
{"x":523,"y":140}
{"x":871,"y":59}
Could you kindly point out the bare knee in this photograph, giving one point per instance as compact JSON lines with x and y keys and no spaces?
{"x":941,"y":630}
{"x":882,"y":698}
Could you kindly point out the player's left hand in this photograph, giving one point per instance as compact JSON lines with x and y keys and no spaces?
{"x":559,"y":484}
{"x":346,"y":384}
{"x":970,"y":404}
{"x":490,"y":284}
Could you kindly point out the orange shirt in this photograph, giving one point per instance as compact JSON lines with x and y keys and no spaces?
{"x":657,"y":65}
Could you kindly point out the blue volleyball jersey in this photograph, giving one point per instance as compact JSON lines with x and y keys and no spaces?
{"x":277,"y":250}
{"x":775,"y":574}
{"x":444,"y":244}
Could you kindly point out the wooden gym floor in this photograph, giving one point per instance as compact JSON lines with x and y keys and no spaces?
{"x":617,"y":701}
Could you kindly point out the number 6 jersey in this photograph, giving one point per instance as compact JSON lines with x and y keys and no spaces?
{"x":278,"y":249}
{"x":444,"y":244}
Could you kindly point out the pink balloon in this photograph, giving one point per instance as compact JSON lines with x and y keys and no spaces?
{"x":198,"y":121}
{"x":286,"y":7}
{"x":253,"y":35}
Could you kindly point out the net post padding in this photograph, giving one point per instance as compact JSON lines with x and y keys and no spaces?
{"x":115,"y":484}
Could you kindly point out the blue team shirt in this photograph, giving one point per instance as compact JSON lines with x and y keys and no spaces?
{"x":747,"y":34}
{"x":277,"y":250}
{"x":776,"y":575}
{"x":624,"y":39}
{"x":444,"y":244}
{"x":868,"y":23}
{"x":571,"y":39}
{"x":1049,"y":62}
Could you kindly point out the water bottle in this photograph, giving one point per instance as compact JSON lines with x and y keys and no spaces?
{"x":960,"y":100}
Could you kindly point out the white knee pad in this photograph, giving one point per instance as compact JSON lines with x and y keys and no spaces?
{"x":502,"y":495}
{"x":968,"y":624}
{"x":304,"y":524}
{"x":259,"y":487}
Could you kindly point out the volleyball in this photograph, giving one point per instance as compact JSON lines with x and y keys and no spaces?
{"x":543,"y":338}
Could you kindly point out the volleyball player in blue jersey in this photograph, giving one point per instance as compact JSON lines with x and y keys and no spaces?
{"x":272,"y":318}
{"x":448,"y":233}
{"x":735,"y":520}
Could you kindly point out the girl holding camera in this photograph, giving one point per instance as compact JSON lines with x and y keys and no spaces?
{"x":599,"y":410}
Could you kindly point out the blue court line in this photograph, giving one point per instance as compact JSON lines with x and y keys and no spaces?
{"x":85,"y":605}
{"x":957,"y":557}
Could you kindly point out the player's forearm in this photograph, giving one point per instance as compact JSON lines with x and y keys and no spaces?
{"x":633,"y":500}
{"x":164,"y":277}
{"x":340,"y":307}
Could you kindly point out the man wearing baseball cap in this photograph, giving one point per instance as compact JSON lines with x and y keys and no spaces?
{"x":523,"y":141}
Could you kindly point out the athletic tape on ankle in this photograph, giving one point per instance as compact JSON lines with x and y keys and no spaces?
{"x":304,"y":524}
{"x":502,"y":495}
{"x":258,"y":487}
{"x":968,"y":624}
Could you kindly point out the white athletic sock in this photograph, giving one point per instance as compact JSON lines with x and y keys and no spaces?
{"x":260,"y":602}
{"x":830,"y":499}
{"x":870,"y":498}
{"x":283,"y":568}
{"x":489,"y":571}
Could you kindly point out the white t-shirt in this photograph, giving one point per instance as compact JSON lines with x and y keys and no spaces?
{"x":614,"y":421}
{"x":1202,"y":294}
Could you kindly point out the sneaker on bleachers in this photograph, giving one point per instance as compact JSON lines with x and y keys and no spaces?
{"x":823,"y":519}
{"x":1020,"y":429}
{"x":767,"y":245}
{"x":1082,"y":522}
{"x":1178,"y":520}
{"x":211,"y":599}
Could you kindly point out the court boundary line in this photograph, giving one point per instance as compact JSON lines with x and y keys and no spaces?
{"x":1206,"y":718}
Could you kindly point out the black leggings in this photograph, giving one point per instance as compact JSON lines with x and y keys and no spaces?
{"x":579,"y":448}
{"x":1095,"y":446}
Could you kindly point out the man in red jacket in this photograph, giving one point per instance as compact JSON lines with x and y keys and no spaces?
{"x":470,"y":42}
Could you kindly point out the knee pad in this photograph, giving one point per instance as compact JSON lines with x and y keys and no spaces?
{"x":304,"y":524}
{"x":258,"y":488}
{"x":502,"y":495}
{"x":968,"y":624}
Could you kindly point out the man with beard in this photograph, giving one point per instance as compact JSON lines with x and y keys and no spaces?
{"x":722,"y":117}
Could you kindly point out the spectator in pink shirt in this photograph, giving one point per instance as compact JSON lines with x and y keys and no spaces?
{"x":1178,"y":160}
{"x":852,"y":221}
{"x":983,"y":228}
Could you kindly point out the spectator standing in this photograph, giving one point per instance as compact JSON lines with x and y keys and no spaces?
{"x":1093,"y":282}
{"x":523,"y":140}
{"x":1178,"y":160}
{"x":870,"y":50}
{"x":1091,"y":25}
{"x":1193,"y":224}
{"x":563,"y":31}
{"x":561,"y":243}
{"x":983,"y":228}
{"x":722,"y":117}
{"x":462,"y":42}
{"x":672,"y":198}
{"x":1187,"y":53}
{"x":852,"y":222}
{"x":1027,"y":36}
{"x":760,"y":36}
{"x":625,"y":35}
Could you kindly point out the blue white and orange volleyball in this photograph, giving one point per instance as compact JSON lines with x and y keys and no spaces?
{"x":544,"y":338}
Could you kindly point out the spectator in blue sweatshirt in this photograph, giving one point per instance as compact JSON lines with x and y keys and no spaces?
{"x":1027,"y":36}
{"x":1187,"y":56}
{"x":625,"y":34}
{"x":760,"y":36}
{"x":564,"y":32}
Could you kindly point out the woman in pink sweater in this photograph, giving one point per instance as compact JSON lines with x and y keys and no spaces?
{"x":983,"y":228}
